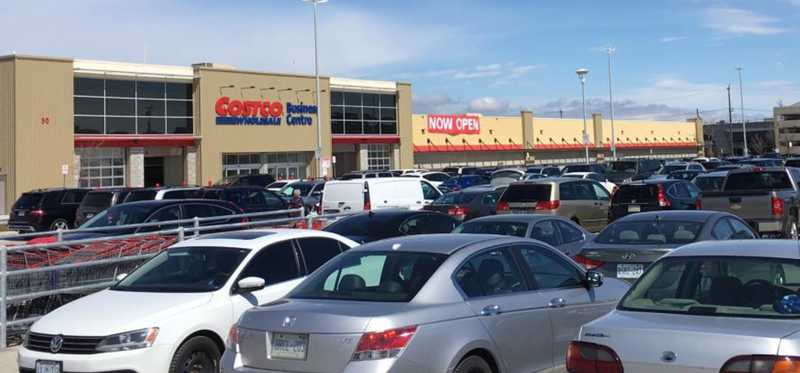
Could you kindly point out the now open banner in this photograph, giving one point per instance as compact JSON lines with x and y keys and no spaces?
{"x":454,"y":124}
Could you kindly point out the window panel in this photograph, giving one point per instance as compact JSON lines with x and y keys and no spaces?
{"x":352,"y":98}
{"x":337,"y":113}
{"x":120,"y":126}
{"x":372,"y":128}
{"x":88,"y":125}
{"x":150,"y":108}
{"x":180,"y":125}
{"x":179,"y":90}
{"x":352,"y":127}
{"x":388,"y":128}
{"x":388,"y":100}
{"x":337,"y":98}
{"x":89,"y":87}
{"x":352,"y":113}
{"x":85,"y":105}
{"x":371,"y":99}
{"x":179,"y":108}
{"x":120,"y":88}
{"x":370,"y":113}
{"x":151,"y":125}
{"x":116,"y":106}
{"x":150,"y":89}
{"x":389,"y":114}
{"x":337,"y":127}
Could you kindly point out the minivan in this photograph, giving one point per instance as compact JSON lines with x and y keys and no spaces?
{"x":374,"y":194}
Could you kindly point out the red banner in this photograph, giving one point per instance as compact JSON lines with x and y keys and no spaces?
{"x":454,"y":124}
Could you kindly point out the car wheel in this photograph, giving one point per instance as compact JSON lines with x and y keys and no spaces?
{"x":59,"y":224}
{"x":197,"y":355}
{"x":473,"y":364}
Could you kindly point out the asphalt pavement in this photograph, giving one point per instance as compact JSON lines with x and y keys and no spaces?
{"x":8,"y":361}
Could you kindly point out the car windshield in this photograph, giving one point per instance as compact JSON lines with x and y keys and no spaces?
{"x":141,"y":195}
{"x":651,"y":232}
{"x":185,"y":270}
{"x":623,"y":166}
{"x":116,"y":216}
{"x":719,"y":286}
{"x":580,"y":168}
{"x":304,"y":189}
{"x":516,"y":175}
{"x":709,"y":183}
{"x":505,"y":228}
{"x":277,"y":185}
{"x":455,"y":199}
{"x":758,"y":180}
{"x":371,"y":276}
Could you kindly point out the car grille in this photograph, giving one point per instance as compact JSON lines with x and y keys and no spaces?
{"x":71,"y":345}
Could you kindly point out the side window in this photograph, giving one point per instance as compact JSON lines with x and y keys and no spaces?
{"x":567,"y":191}
{"x":71,"y":197}
{"x":568,"y":232}
{"x":595,"y":177}
{"x":176,"y":194}
{"x":436,"y":223}
{"x":429,"y":192}
{"x":413,"y":225}
{"x":273,"y":201}
{"x":317,"y":251}
{"x":490,"y":273}
{"x":584,"y":191}
{"x":489,"y":199}
{"x":192,"y":210}
{"x":211,"y":194}
{"x":221,"y":211}
{"x":679,"y":190}
{"x":740,"y":230}
{"x":696,"y":167}
{"x":694,"y":191}
{"x":550,"y":271}
{"x":722,"y":230}
{"x":600,"y":192}
{"x":275,"y":263}
{"x":437,"y":177}
{"x":165,"y":214}
{"x":52,"y":199}
{"x":546,"y":231}
{"x":255,"y":198}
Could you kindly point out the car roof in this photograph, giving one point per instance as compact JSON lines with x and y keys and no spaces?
{"x":788,"y":249}
{"x":516,"y":218}
{"x":256,"y":238}
{"x":699,"y":216}
{"x":165,"y":202}
{"x":714,"y":174}
{"x":390,"y":213}
{"x":652,"y":181}
{"x":430,"y":243}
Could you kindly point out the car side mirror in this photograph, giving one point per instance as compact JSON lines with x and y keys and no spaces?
{"x":249,"y":284}
{"x":121,"y":276}
{"x":594,"y":279}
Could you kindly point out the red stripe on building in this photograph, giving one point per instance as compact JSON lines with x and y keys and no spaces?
{"x":466,"y":148}
{"x":361,"y":139}
{"x":106,"y":141}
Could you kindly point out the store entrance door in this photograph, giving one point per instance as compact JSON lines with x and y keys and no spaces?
{"x":153,"y":171}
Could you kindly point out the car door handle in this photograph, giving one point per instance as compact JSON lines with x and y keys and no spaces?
{"x":490,"y":310}
{"x":557,"y":303}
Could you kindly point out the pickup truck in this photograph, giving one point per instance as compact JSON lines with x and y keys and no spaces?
{"x":767,"y":198}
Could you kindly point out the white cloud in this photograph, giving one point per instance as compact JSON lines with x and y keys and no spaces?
{"x":501,"y":73}
{"x":671,"y":39}
{"x":439,"y":103}
{"x":737,"y":21}
{"x":794,"y":2}
{"x":489,"y":105}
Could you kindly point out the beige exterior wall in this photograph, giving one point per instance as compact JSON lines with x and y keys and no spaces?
{"x":404,"y":126}
{"x":7,"y":133}
{"x":640,"y":131}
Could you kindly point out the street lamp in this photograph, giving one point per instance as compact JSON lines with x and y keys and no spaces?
{"x":318,"y":151}
{"x":582,"y":76}
{"x":744,"y":122}
{"x":611,"y":105}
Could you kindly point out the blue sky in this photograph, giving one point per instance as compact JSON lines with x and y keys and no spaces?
{"x":494,"y":57}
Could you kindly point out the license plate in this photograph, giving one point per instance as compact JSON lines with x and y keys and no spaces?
{"x":289,"y":346}
{"x":20,"y":213}
{"x":48,"y":366}
{"x":634,"y":208}
{"x":630,"y":270}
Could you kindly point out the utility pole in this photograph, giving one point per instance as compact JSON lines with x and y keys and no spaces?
{"x":744,"y":122}
{"x":611,"y":106}
{"x":730,"y":119}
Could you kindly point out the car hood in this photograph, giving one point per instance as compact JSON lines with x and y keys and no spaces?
{"x":109,"y":312}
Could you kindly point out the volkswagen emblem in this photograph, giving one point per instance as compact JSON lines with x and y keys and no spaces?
{"x":56,"y":343}
{"x":668,"y":357}
{"x":628,"y":256}
{"x":288,"y":322}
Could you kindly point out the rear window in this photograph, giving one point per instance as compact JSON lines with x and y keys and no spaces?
{"x":709,"y":184}
{"x":623,"y":166}
{"x":371,"y":277}
{"x":667,"y":169}
{"x":505,"y":228}
{"x":141,"y":195}
{"x":98,"y":199}
{"x":507,"y":174}
{"x":655,"y":232}
{"x":793,"y":163}
{"x":582,"y":168}
{"x":758,"y":180}
{"x":527,"y":193}
{"x":351,"y":177}
{"x":28,"y":200}
{"x":455,"y":199}
{"x":640,"y":193}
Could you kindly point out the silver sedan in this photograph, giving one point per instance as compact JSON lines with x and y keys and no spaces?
{"x":730,"y":306}
{"x":435,"y":303}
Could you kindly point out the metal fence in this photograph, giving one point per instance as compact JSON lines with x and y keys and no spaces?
{"x":36,"y":278}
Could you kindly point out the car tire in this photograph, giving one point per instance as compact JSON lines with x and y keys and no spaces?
{"x":473,"y":364}
{"x":59,"y":223}
{"x":198,"y":354}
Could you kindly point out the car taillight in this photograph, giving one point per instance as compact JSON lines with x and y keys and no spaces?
{"x":762,"y":363}
{"x":383,"y":345}
{"x":458,"y":212}
{"x":588,"y":263}
{"x":38,"y":213}
{"x":662,"y":197}
{"x":777,"y":205}
{"x":318,"y":207}
{"x":583,"y":357}
{"x":503,"y":206}
{"x":367,"y":206}
{"x":233,"y":337}
{"x":698,"y":204}
{"x":548,"y":205}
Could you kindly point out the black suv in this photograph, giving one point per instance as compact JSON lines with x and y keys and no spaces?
{"x":631,"y":170}
{"x":249,"y":198}
{"x":653,"y":195}
{"x":45,"y":210}
{"x":97,"y":201}
{"x":260,"y":180}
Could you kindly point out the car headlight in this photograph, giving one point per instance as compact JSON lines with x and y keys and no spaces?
{"x":133,"y":340}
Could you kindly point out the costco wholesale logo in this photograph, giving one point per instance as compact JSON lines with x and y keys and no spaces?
{"x":262,"y":113}
{"x":454,"y":124}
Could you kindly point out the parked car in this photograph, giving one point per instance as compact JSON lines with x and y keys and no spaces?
{"x":547,"y":171}
{"x":259,"y":180}
{"x":767,"y":198}
{"x":310,"y":191}
{"x":276,"y":186}
{"x":175,"y":310}
{"x":159,"y":193}
{"x":378,"y":225}
{"x":467,"y":204}
{"x":356,"y":175}
{"x":431,"y":303}
{"x":728,"y":167}
{"x":583,"y":201}
{"x":457,"y":183}
{"x":375,"y":194}
{"x":792,"y":162}
{"x":710,"y":182}
{"x":653,"y":195}
{"x":707,"y":307}
{"x":600,"y":178}
{"x":687,"y":175}
{"x":507,"y":176}
{"x":631,"y":169}
{"x":45,"y":210}
{"x":586,"y":167}
{"x":251,"y":199}
{"x":402,"y":172}
{"x":668,"y":168}
{"x":460,"y":170}
{"x":762,"y":162}
{"x":96,"y":201}
{"x":563,"y":234}
{"x":436,"y":178}
{"x":627,"y":246}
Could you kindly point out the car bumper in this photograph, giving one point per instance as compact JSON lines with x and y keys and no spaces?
{"x":146,"y":360}
{"x":21,"y":227}
{"x":231,"y":364}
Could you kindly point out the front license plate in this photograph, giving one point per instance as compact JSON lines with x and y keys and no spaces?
{"x":634,"y":208}
{"x":43,"y":366}
{"x":289,"y":346}
{"x":630,"y":270}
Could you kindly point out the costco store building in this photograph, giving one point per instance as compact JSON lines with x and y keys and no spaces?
{"x":104,"y":124}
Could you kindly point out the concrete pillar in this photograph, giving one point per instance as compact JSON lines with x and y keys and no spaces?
{"x":76,"y":167}
{"x":363,"y":154}
{"x":396,"y":156}
{"x":190,"y":165}
{"x":404,"y":126}
{"x":699,"y":136}
{"x":599,"y":141}
{"x":528,"y":135}
{"x":136,"y":167}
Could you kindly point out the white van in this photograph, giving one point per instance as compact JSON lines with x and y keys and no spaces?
{"x":375,"y":194}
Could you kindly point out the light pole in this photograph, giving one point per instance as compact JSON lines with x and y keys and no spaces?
{"x":744,"y":122}
{"x":611,"y":106}
{"x":318,"y":151}
{"x":582,"y":76}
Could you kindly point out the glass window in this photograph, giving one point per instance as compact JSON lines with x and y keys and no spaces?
{"x":166,"y":214}
{"x":179,"y":108}
{"x":337,"y":98}
{"x":150,"y":89}
{"x":679,"y":190}
{"x":568,"y":232}
{"x":318,"y":251}
{"x":650,"y":232}
{"x":197,"y":210}
{"x":722,"y":230}
{"x":379,"y":156}
{"x":337,"y":113}
{"x":490,"y":273}
{"x":741,"y":231}
{"x":88,"y":105}
{"x":545,"y":231}
{"x":352,"y":99}
{"x":120,"y":88}
{"x":489,"y":199}
{"x":353,"y":127}
{"x":72,"y":197}
{"x":429,"y":192}
{"x":600,"y":192}
{"x":388,"y":128}
{"x":389,"y":114}
{"x":116,"y":106}
{"x":180,"y":126}
{"x":275,"y":263}
{"x":363,"y":113}
{"x":89,"y":125}
{"x":371,"y":128}
{"x":388,"y":101}
{"x":371,"y":99}
{"x":151,"y":125}
{"x":758,"y":180}
{"x":179,"y":90}
{"x":102,"y":167}
{"x":550,"y":271}
{"x":150,"y":108}
{"x":337,"y":127}
{"x":120,"y":125}
{"x":89,"y":87}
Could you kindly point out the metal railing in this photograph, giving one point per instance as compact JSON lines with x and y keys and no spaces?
{"x":37,"y":277}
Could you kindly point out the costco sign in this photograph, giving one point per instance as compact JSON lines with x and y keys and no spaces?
{"x":454,"y":124}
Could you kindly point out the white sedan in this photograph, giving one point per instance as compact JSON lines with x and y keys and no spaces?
{"x":610,"y":187}
{"x":173,"y":312}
